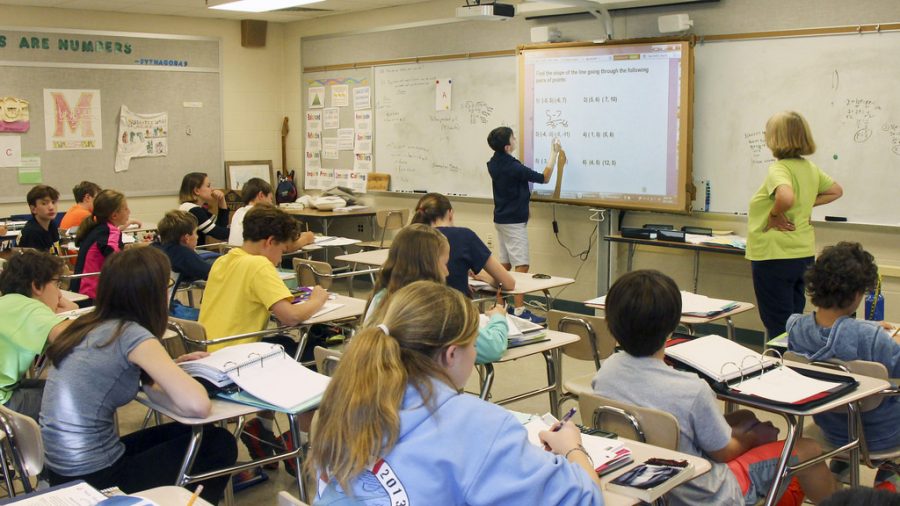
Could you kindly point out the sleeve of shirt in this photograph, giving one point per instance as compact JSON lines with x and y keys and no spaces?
{"x":709,"y":427}
{"x":492,"y":340}
{"x":132,"y":335}
{"x":825,"y":181}
{"x":193,"y":266}
{"x":886,"y":351}
{"x":778,"y":175}
{"x":514,"y":471}
{"x":215,"y":226}
{"x":112,"y":242}
{"x":477,"y":253}
{"x":34,"y":324}
{"x":267,"y":286}
{"x":531,"y":175}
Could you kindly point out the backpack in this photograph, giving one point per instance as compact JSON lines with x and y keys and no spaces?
{"x":286,"y":190}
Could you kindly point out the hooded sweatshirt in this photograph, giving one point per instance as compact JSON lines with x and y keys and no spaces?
{"x":850,"y":339}
{"x":465,"y":452}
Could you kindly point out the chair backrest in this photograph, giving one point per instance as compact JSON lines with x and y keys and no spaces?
{"x":596,"y":342}
{"x":649,"y":425}
{"x":286,"y":499}
{"x":174,"y":280}
{"x":312,"y":272}
{"x":23,"y":435}
{"x":862,"y":367}
{"x":191,"y":333}
{"x":391,"y":219}
{"x":326,"y":360}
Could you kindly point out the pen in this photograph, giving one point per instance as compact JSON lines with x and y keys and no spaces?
{"x":896,"y":331}
{"x":196,"y":494}
{"x":565,"y":419}
{"x":499,"y":294}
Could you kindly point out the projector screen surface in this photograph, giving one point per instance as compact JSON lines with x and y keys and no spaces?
{"x":622,"y":115}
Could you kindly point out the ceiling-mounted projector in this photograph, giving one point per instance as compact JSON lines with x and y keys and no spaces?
{"x":487,"y":11}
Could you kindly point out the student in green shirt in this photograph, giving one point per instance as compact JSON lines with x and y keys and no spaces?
{"x":781,"y":243}
{"x":30,"y":299}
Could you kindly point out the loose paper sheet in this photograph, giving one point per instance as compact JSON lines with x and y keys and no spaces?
{"x":332,"y":118}
{"x":362,"y":97}
{"x":340,"y":95}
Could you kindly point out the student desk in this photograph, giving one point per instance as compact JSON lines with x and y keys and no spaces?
{"x":351,"y":307}
{"x":552,"y":353}
{"x":794,"y":417}
{"x":221,"y":412}
{"x":73,"y":296}
{"x":696,"y":248}
{"x":171,"y":495}
{"x":690,"y":321}
{"x":527,"y":283}
{"x":375,"y":257}
{"x":326,"y":217}
{"x":641,"y":452}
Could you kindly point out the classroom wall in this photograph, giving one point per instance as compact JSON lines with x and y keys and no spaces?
{"x":253,"y":87}
{"x":430,"y":29}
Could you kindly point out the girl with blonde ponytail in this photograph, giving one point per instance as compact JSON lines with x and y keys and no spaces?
{"x":394,"y":427}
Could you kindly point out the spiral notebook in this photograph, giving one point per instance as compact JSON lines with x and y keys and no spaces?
{"x":264,"y":372}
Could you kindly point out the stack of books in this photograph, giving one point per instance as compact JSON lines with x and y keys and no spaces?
{"x":521,"y":331}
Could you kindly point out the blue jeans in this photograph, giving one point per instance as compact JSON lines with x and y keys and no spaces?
{"x":779,"y":290}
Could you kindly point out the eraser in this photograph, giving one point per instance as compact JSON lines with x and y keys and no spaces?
{"x":835,"y":218}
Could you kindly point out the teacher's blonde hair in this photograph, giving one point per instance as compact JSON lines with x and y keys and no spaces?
{"x":359,"y":418}
{"x":788,"y":135}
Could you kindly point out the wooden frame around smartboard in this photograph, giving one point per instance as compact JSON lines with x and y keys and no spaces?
{"x":238,"y":173}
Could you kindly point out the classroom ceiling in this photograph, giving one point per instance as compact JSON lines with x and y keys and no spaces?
{"x":197,"y":8}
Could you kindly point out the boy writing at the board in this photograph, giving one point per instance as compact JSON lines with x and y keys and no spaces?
{"x":510,"y":181}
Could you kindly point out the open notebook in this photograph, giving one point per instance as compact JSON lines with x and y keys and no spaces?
{"x":607,"y":454}
{"x":692,"y":304}
{"x":521,"y":331}
{"x":264,"y":372}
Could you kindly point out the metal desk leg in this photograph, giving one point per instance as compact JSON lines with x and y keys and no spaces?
{"x":488,"y":381}
{"x":853,"y":429}
{"x":189,"y":457}
{"x":781,"y":470}
{"x":554,"y":359}
{"x":730,"y":325}
{"x":630,"y":263}
{"x":696,"y":270}
{"x":295,"y":440}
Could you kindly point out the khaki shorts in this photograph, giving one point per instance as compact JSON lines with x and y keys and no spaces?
{"x":512,"y":241}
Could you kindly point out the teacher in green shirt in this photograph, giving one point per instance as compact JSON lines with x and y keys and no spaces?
{"x":781,"y":243}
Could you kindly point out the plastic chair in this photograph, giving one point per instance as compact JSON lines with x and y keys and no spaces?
{"x":883,"y":459}
{"x":647,"y":425}
{"x":596,"y":344}
{"x":313,"y":272}
{"x":26,"y":448}
{"x":387,"y":219}
{"x":286,"y":499}
{"x":327,"y":360}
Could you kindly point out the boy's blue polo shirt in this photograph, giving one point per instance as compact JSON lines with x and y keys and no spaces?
{"x":509,"y":179}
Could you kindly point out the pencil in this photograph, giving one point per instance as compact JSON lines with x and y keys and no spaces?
{"x":896,"y":331}
{"x":195,"y":496}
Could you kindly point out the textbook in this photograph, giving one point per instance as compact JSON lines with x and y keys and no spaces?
{"x":650,"y":480}
{"x":263,"y":371}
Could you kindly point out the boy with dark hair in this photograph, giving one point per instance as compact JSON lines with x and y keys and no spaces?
{"x":510,"y":181}
{"x":178,"y":240}
{"x":642,"y":310}
{"x":31,"y":297}
{"x":837,"y":283}
{"x":84,"y":192}
{"x":244,"y":289}
{"x":40,"y":232}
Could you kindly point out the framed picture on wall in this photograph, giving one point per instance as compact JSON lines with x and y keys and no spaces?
{"x":238,"y":173}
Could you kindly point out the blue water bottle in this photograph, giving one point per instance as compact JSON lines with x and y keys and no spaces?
{"x":875,"y":303}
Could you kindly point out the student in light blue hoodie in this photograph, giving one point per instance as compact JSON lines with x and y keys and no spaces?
{"x":394,"y":427}
{"x":837,"y":282}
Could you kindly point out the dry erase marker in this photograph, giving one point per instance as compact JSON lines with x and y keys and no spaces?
{"x":565,"y":419}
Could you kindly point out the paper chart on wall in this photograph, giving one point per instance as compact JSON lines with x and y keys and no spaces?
{"x":345,"y":139}
{"x":362,"y":120}
{"x":363,"y":142}
{"x":316,"y":97}
{"x":72,"y":119}
{"x":362,"y":97}
{"x":140,"y":135}
{"x":10,"y":151}
{"x":340,"y":95}
{"x":362,"y":162}
{"x":330,"y":148}
{"x":358,"y":181}
{"x":313,"y":160}
{"x":332,"y":118}
{"x":442,"y":92}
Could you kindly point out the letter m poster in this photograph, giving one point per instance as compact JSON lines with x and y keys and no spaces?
{"x":72,"y":119}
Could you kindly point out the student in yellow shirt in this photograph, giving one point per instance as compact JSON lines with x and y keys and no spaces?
{"x":781,"y":242}
{"x":244,"y":288}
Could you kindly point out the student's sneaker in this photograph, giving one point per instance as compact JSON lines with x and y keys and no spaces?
{"x":841,"y":470}
{"x":887,"y":480}
{"x":248,"y":478}
{"x":261,"y":443}
{"x":528,"y":315}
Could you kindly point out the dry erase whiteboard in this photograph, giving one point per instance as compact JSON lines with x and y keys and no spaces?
{"x":847,"y":88}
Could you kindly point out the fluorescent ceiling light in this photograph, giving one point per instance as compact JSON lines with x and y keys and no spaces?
{"x":261,"y":5}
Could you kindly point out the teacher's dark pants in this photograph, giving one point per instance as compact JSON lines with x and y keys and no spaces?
{"x":779,"y":290}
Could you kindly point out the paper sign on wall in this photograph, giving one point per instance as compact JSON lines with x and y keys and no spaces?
{"x":14,"y":115}
{"x":362,"y":162}
{"x":315,"y":97}
{"x":313,"y":160}
{"x":362,"y":120}
{"x":330,"y":148}
{"x":326,"y":178}
{"x":362,"y":97}
{"x":314,"y":121}
{"x":340,"y":95}
{"x":332,"y":118}
{"x":358,"y":181}
{"x":345,"y":139}
{"x":140,"y":135}
{"x":30,"y":170}
{"x":72,"y":119}
{"x":363,"y":142}
{"x":442,"y":90}
{"x":10,"y":151}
